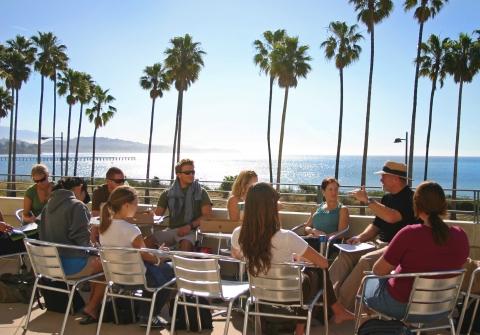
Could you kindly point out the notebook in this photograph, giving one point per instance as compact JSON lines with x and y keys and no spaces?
{"x":218,"y":226}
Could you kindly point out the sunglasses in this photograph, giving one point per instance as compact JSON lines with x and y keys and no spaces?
{"x":189,"y":172}
{"x":38,"y":181}
{"x":119,"y":181}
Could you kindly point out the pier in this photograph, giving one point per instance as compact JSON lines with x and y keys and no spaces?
{"x":58,"y":159}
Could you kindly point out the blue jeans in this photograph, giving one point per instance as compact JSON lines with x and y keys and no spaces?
{"x":157,"y":276}
{"x":378,"y":298}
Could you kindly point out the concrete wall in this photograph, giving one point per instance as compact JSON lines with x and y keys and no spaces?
{"x":8,"y":206}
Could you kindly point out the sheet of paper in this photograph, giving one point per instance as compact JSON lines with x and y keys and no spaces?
{"x":354,"y":247}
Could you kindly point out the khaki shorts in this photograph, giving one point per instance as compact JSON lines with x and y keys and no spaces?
{"x":170,"y":237}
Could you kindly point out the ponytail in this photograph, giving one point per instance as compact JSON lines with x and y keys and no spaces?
{"x":105,"y":217}
{"x":440,"y":230}
{"x":120,"y":196}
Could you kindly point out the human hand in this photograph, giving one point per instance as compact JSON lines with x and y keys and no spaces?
{"x":29,"y":219}
{"x":360,"y":194}
{"x":163,"y":247}
{"x":5,"y":227}
{"x":354,"y":240}
{"x":182,"y":231}
{"x":94,"y":235}
{"x":317,"y":232}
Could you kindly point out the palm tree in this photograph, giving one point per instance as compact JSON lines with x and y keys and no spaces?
{"x":289,"y":63}
{"x":427,"y":9}
{"x":69,"y":83}
{"x":432,"y":66}
{"x":370,"y":12}
{"x":183,"y":63}
{"x":50,"y":52}
{"x":462,"y":63}
{"x":84,"y":94}
{"x":156,"y":81}
{"x":6,"y":102}
{"x":98,"y":115}
{"x":20,"y":56}
{"x":263,"y":59}
{"x":342,"y":45}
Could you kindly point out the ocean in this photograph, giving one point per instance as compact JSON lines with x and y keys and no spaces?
{"x":295,"y":169}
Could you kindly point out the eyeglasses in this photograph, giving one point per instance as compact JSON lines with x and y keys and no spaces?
{"x":38,"y":181}
{"x":189,"y":172}
{"x":118,"y":181}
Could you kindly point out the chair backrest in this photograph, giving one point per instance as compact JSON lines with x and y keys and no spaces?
{"x":198,"y":276}
{"x":45,"y":259}
{"x":281,"y":284}
{"x":123,"y":266}
{"x":436,"y":295}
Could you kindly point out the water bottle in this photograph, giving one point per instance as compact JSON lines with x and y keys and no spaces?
{"x":322,"y":241}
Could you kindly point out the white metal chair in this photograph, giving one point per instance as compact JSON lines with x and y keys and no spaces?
{"x":125,"y":267}
{"x":324,"y":249}
{"x":46,"y":263}
{"x":469,"y":299}
{"x":281,"y":287}
{"x":200,"y":277}
{"x":19,"y":215}
{"x":433,"y":297}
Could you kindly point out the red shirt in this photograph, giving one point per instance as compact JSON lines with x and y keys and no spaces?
{"x":413,"y":250}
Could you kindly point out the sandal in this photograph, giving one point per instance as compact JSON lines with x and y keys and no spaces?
{"x":88,"y":319}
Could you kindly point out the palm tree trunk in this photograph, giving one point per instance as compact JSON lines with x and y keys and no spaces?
{"x":270,"y":168}
{"x":453,"y":216}
{"x":414,"y":110}
{"x":93,"y":152}
{"x":340,"y":122}
{"x":78,"y":140}
{"x":147,"y":191}
{"x":10,"y":142}
{"x":174,"y":145}
{"x":14,"y":150}
{"x":430,"y":113}
{"x":54,"y":121}
{"x":68,"y":138}
{"x":39,"y":145}
{"x":367,"y":117}
{"x":180,"y":108}
{"x":282,"y":131}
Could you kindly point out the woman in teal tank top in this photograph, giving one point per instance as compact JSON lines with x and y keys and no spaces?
{"x":331,"y":216}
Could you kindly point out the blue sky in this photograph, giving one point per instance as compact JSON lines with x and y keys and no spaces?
{"x":227,"y":107}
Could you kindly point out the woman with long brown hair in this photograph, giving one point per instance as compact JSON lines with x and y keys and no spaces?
{"x":430,"y":246}
{"x":261,"y":242}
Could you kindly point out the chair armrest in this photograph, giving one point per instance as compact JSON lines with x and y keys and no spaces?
{"x":338,"y":234}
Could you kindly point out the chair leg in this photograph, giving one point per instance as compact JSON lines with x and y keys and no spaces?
{"x":32,"y":297}
{"x":325,"y":310}
{"x":229,"y":313}
{"x":473,"y":317}
{"x":462,"y":314}
{"x":174,"y":314}
{"x":309,"y":321}
{"x":102,"y":310}
{"x":358,"y":315}
{"x":452,"y":326}
{"x":150,"y":313}
{"x":114,"y":306}
{"x":187,"y":319}
{"x":199,"y":319}
{"x":69,"y":305}
{"x":245,"y":318}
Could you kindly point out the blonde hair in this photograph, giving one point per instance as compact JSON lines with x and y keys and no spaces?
{"x":239,"y":186}
{"x":39,"y":169}
{"x":120,"y":196}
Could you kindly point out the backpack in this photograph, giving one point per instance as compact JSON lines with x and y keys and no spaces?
{"x":57,"y":301}
{"x":16,"y":287}
{"x":383,"y":327}
{"x":205,"y":315}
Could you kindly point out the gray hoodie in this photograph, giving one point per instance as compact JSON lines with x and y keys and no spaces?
{"x":65,"y":220}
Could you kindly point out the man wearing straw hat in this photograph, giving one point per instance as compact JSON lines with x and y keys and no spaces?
{"x":392,"y":213}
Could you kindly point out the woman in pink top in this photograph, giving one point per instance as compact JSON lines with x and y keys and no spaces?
{"x":431,"y":246}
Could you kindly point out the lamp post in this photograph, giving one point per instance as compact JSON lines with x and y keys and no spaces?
{"x":399,"y":140}
{"x":61,"y":153}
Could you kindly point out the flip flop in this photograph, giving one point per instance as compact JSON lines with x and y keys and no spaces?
{"x":88,"y":319}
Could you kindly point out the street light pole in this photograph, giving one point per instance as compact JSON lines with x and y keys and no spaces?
{"x":399,"y":140}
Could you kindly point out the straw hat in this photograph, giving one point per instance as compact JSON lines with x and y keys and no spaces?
{"x":394,"y":169}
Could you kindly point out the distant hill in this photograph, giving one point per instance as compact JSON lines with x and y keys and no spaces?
{"x":104,"y":144}
{"x":24,"y":135}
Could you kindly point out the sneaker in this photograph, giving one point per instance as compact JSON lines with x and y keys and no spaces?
{"x":156,"y":322}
